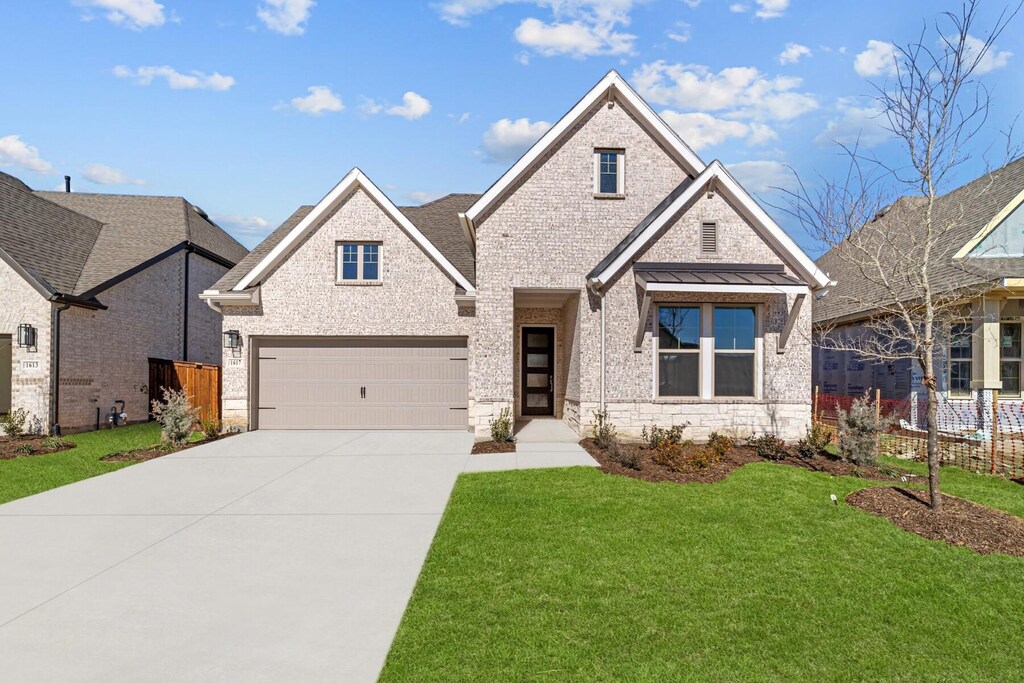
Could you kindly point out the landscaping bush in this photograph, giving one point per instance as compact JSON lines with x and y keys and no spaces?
{"x":707,"y":455}
{"x":501,"y":426}
{"x":175,"y":415}
{"x":627,"y":457}
{"x":670,"y":455}
{"x":659,"y":435}
{"x":56,"y":443}
{"x":720,"y":444}
{"x":859,"y":431}
{"x":604,"y":430}
{"x":768,"y":446}
{"x":211,"y":428}
{"x":13,"y":423}
{"x":25,"y":449}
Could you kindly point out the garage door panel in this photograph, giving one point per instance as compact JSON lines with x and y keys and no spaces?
{"x":362,"y":383}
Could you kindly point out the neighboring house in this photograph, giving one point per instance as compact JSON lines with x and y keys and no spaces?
{"x":91,"y":287}
{"x":609,"y":266}
{"x":981,"y":259}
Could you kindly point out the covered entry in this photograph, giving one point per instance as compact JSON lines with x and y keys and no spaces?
{"x":360,"y":383}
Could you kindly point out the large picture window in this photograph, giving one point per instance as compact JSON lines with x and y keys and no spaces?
{"x":1010,"y":358}
{"x":708,"y":351}
{"x":960,"y":355}
{"x":679,"y":351}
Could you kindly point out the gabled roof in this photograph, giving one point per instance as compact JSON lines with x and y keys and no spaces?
{"x":231,"y":278}
{"x":968,"y":210}
{"x":612,"y":85}
{"x":439,"y":221}
{"x":290,"y":238}
{"x":137,"y":228}
{"x":650,"y":228}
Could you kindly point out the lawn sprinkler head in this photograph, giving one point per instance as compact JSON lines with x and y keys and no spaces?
{"x":835,"y":501}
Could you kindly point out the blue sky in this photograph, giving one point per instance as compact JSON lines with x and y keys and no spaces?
{"x":252,"y":107}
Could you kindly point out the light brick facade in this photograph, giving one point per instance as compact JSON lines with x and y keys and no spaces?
{"x":541,"y":239}
{"x":30,"y":367}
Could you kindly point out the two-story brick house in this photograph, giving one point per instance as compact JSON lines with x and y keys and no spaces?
{"x":609,"y":268}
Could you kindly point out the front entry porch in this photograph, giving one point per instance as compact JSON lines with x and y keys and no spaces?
{"x":544,"y":332}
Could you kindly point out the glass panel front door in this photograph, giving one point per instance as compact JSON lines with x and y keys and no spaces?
{"x":538,"y":362}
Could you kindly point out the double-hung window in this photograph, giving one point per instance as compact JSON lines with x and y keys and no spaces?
{"x":609,"y":172}
{"x":707,"y":351}
{"x":1010,"y":358}
{"x":960,"y":358}
{"x":358,"y":262}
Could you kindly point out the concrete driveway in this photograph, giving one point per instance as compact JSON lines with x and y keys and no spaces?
{"x":267,"y":556}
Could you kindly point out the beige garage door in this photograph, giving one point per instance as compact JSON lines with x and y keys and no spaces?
{"x":361,"y":383}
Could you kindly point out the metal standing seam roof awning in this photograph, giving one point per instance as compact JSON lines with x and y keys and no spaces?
{"x":718,"y":278}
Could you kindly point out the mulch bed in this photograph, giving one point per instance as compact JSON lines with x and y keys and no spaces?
{"x":737,"y":456}
{"x":961,"y":522}
{"x":493,"y":447}
{"x":12,"y":447}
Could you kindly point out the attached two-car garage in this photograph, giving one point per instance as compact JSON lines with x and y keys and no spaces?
{"x":360,"y":383}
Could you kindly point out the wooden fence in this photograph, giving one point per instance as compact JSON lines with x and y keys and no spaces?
{"x":201,"y":383}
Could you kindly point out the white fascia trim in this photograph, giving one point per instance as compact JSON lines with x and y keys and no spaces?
{"x":611,"y":82}
{"x":757,"y":216}
{"x":354,"y":178}
{"x":251,"y":296}
{"x":656,"y":287}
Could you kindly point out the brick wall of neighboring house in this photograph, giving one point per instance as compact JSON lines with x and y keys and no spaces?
{"x":301,"y":297}
{"x":30,"y":368}
{"x":204,"y":323}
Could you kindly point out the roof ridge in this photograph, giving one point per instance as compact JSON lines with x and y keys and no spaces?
{"x":111,"y":194}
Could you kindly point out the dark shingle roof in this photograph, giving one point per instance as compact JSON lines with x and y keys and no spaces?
{"x":137,"y":227}
{"x":966,"y":210}
{"x":437,"y":220}
{"x":715,"y":274}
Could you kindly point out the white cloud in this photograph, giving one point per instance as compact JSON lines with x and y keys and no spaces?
{"x":763,"y":176}
{"x":857,"y":121}
{"x":990,"y":61}
{"x":370,"y":107}
{"x":319,"y":100}
{"x":700,"y":130}
{"x":879,"y":58}
{"x":460,"y":118}
{"x":107,"y":175}
{"x":14,"y":153}
{"x":792,"y":53}
{"x":287,"y":17}
{"x":680,"y":33}
{"x":413,"y":107}
{"x":242,"y":225}
{"x":194,"y":80}
{"x":506,"y":140}
{"x":742,"y":92}
{"x":133,"y":14}
{"x":766,"y":9}
{"x":423,"y":197}
{"x":692,"y":4}
{"x":577,"y":28}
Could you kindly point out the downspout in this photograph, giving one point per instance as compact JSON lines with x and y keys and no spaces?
{"x":55,"y":369}
{"x":184,"y":333}
{"x":602,"y":351}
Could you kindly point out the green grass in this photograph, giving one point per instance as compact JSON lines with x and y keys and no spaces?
{"x":573,"y":575}
{"x":31,"y":474}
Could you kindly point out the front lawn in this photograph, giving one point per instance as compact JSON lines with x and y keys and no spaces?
{"x":27,"y":475}
{"x":573,"y":574}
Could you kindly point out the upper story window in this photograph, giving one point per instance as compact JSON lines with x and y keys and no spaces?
{"x":358,"y":262}
{"x":609,"y":173}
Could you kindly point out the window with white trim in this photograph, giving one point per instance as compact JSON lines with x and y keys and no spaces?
{"x":1010,"y":358}
{"x":708,"y":351}
{"x":609,"y":172}
{"x":961,"y":354}
{"x":358,"y":262}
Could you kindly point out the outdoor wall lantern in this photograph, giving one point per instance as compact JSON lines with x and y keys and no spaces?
{"x":232,"y":339}
{"x":26,"y":335}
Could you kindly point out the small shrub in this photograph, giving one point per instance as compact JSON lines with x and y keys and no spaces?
{"x":658,"y":435}
{"x":604,"y":430}
{"x":56,"y":443}
{"x":627,"y":457}
{"x":768,"y":446}
{"x":13,"y":423}
{"x":25,"y":449}
{"x":805,"y":449}
{"x":859,"y":432}
{"x":501,"y":426}
{"x":706,"y":456}
{"x":720,"y":444}
{"x":211,"y":428}
{"x":175,"y":415}
{"x":670,"y":455}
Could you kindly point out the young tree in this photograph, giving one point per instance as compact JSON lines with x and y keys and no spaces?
{"x":884,"y":223}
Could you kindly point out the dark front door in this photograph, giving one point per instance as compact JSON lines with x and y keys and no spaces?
{"x":538,"y":371}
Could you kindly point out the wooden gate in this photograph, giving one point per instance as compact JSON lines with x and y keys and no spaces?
{"x":201,"y":383}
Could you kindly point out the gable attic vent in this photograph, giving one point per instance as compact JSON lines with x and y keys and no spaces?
{"x":709,"y":238}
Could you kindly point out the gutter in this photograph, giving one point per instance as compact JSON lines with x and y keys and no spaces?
{"x":55,"y":368}
{"x":216,"y":299}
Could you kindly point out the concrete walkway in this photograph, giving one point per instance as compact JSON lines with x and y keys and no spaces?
{"x":539,"y":443}
{"x":269,"y":556}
